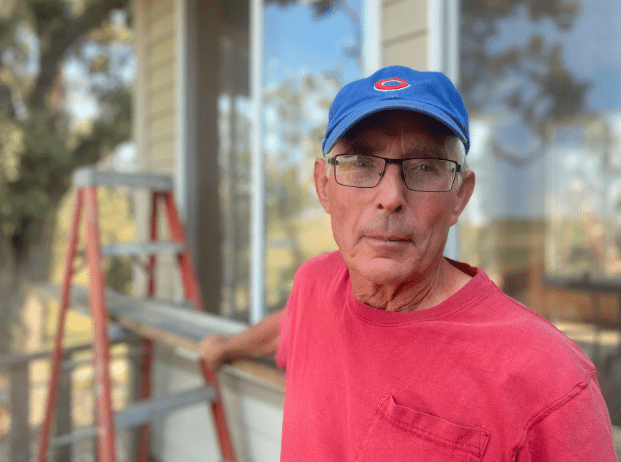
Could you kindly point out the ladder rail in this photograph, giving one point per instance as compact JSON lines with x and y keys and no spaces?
{"x":44,"y":437}
{"x":190,"y":284}
{"x":108,"y":423}
{"x":217,"y":408}
{"x":103,"y":391}
{"x":193,"y":292}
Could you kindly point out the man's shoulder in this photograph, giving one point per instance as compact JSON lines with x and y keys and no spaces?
{"x":531,"y":343}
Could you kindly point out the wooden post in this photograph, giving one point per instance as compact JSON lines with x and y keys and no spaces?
{"x":64,"y":424}
{"x":203,"y":162}
{"x":19,"y":446}
{"x":135,"y":385}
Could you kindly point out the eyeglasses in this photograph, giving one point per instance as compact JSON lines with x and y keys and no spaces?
{"x":419,"y":174}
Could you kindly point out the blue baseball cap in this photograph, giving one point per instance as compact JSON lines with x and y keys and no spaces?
{"x":397,"y":87}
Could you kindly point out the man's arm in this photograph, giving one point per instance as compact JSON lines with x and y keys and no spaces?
{"x":257,"y":341}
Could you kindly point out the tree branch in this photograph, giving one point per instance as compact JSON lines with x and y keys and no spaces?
{"x":63,"y":38}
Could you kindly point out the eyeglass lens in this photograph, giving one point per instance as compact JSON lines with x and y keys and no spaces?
{"x":425,"y":174}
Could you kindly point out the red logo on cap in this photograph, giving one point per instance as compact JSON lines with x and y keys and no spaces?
{"x":391,"y":84}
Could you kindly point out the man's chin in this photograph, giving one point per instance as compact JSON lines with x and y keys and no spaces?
{"x":384,"y":270}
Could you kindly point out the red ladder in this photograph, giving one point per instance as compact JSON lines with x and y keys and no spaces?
{"x":86,"y":180}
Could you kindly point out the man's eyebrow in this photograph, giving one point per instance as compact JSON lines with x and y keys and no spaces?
{"x":354,"y":147}
{"x":369,"y":147}
{"x":426,"y":151}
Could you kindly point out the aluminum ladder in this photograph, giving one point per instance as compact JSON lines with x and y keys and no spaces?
{"x":86,"y":181}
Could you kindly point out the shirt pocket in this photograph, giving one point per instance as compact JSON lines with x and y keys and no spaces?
{"x":397,"y":433}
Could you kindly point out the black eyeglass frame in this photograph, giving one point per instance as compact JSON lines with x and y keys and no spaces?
{"x":333,"y":161}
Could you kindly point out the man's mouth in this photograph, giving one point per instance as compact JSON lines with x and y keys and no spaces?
{"x":395,"y":239}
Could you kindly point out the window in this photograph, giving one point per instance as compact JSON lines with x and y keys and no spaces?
{"x":541,"y":83}
{"x":309,"y":50}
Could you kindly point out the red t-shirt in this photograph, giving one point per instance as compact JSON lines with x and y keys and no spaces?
{"x":478,"y":377}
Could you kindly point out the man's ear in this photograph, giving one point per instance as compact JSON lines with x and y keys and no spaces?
{"x":463,"y":195}
{"x":321,"y":183}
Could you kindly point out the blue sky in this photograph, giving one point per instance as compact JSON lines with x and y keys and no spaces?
{"x":295,"y":42}
{"x":80,"y":101}
{"x":591,"y":49}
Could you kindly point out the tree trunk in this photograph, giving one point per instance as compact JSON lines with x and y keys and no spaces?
{"x":18,"y":272}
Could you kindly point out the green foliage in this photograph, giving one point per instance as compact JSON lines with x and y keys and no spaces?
{"x":38,"y":167}
{"x":119,"y":274}
{"x":41,"y":141}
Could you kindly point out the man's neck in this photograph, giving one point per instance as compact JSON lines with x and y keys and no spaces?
{"x":419,"y":293}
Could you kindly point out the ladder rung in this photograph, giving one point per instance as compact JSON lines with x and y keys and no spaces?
{"x":77,"y":435}
{"x":91,"y":176}
{"x":142,"y":248}
{"x":144,"y":411}
{"x":141,"y":412}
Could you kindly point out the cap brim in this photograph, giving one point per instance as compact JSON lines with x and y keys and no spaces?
{"x":363,"y":111}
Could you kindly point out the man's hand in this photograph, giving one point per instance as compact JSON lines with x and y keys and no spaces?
{"x":257,"y":341}
{"x":213,"y":348}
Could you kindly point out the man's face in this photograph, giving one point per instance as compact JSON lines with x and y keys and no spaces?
{"x":390,"y":234}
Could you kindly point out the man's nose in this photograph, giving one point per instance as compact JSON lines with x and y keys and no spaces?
{"x":391,"y":194}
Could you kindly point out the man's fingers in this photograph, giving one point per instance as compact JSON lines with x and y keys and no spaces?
{"x":212,"y":350}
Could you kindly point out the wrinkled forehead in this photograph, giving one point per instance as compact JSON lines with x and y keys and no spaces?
{"x":419,"y":134}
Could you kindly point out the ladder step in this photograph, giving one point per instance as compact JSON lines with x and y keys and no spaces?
{"x":145,"y":411}
{"x":142,"y":412}
{"x":142,"y":248}
{"x":91,"y":176}
{"x":80,"y":434}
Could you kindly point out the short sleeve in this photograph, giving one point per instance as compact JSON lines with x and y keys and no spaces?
{"x":284,"y":326}
{"x":284,"y":329}
{"x":578,"y":430}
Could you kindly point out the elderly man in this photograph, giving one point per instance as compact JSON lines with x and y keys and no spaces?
{"x":392,"y":351}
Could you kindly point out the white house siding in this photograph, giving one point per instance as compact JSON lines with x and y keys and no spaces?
{"x":255,"y":418}
{"x":160,"y":62}
{"x":405,"y":33}
{"x":254,"y":413}
{"x":187,"y":435}
{"x":155,"y":118}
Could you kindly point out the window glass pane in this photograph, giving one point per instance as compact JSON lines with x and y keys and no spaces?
{"x":309,"y":53}
{"x":541,"y":83}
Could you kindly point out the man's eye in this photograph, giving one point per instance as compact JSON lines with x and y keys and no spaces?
{"x":421,"y":168}
{"x":425,"y":166}
{"x":356,"y":162}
